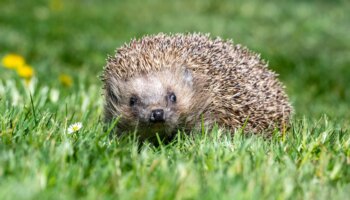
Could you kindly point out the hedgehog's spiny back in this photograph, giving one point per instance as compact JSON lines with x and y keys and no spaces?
{"x":152,"y":53}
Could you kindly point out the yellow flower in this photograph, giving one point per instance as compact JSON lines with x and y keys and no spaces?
{"x":66,"y":80}
{"x":25,"y":71}
{"x":12,"y":61}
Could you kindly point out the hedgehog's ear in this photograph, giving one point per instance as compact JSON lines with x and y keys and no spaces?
{"x":111,"y":95}
{"x":187,"y":77}
{"x":111,"y":91}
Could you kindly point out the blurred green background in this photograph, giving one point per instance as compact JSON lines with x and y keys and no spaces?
{"x":306,"y":42}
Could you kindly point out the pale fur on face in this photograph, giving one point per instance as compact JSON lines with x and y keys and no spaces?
{"x":152,"y":92}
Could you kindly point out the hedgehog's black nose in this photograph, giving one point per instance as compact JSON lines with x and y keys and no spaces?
{"x":157,"y":115}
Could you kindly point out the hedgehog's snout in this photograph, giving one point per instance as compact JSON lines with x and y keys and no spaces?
{"x":157,"y":115}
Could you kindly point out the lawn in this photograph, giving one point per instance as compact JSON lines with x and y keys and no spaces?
{"x":66,"y":43}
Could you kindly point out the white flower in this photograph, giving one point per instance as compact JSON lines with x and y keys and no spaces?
{"x":74,"y":127}
{"x":54,"y":95}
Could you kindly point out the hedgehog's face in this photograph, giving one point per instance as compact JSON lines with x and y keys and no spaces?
{"x":153,"y":103}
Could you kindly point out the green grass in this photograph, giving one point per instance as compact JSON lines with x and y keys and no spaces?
{"x":306,"y":42}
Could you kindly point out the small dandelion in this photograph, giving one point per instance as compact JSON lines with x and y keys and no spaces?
{"x":25,"y":71}
{"x":12,"y":61}
{"x":66,"y":80}
{"x":74,"y":127}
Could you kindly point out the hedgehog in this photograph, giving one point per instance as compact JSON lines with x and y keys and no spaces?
{"x":165,"y":83}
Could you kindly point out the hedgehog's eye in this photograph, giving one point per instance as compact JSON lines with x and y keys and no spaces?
{"x":172,"y":97}
{"x":133,"y":101}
